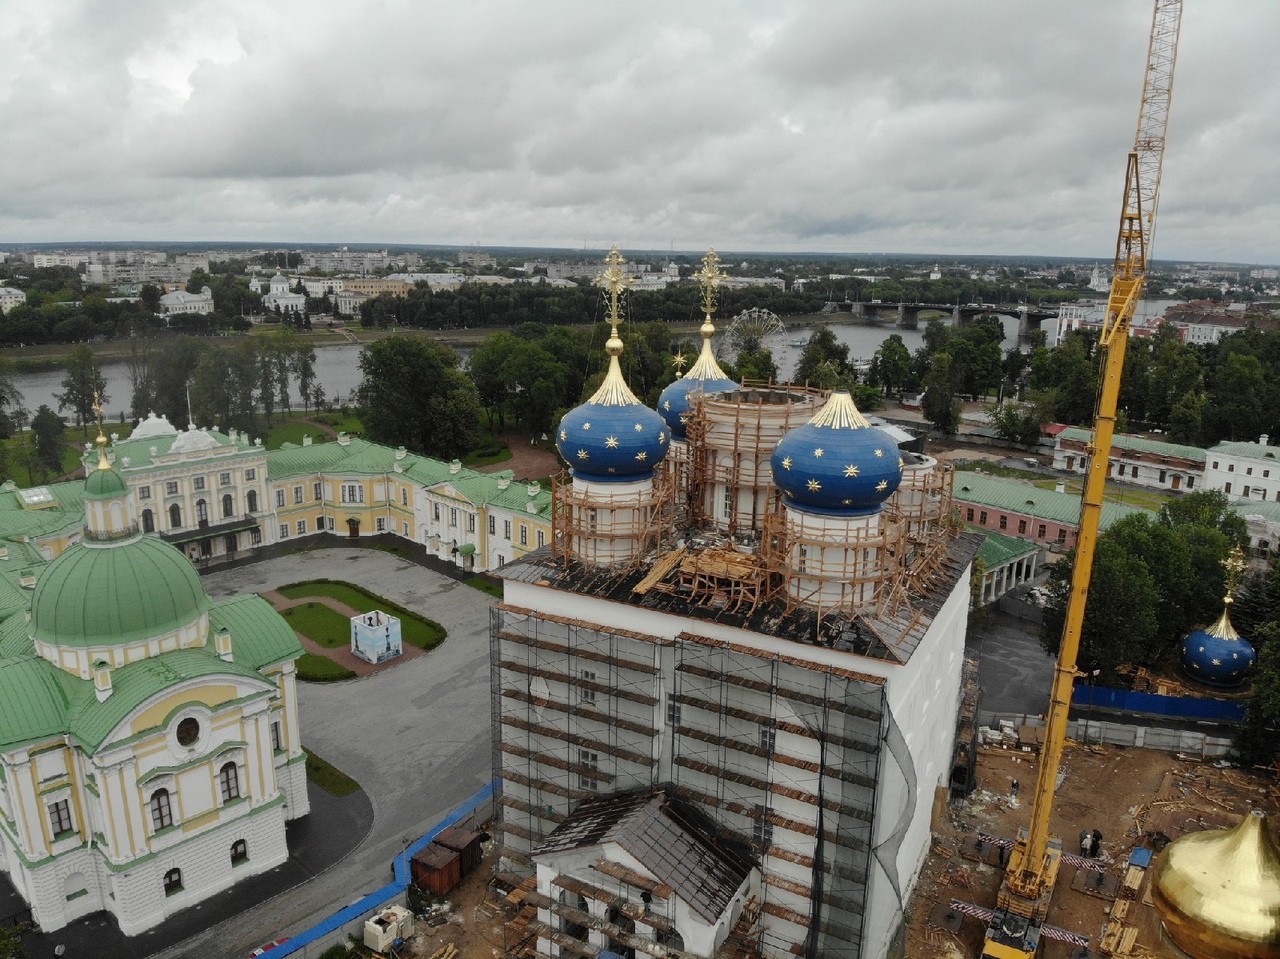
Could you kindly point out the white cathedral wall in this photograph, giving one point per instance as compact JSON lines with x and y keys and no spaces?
{"x":924,"y":699}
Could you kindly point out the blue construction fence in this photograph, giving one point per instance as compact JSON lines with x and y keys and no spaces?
{"x":323,"y":932}
{"x":1153,"y":704}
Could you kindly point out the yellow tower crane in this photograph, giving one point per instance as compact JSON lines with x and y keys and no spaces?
{"x":1016,"y":924}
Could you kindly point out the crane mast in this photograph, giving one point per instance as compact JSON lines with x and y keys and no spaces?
{"x":1023,"y":901}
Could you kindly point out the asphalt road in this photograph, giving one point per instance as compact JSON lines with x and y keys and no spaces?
{"x":416,"y":737}
{"x":1014,"y":671}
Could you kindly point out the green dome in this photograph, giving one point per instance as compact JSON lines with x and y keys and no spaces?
{"x":110,"y":595}
{"x":105,"y":484}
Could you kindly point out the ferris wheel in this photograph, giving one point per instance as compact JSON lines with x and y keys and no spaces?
{"x":750,"y":328}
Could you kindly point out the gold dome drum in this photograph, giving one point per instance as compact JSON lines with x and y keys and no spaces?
{"x":1218,"y":892}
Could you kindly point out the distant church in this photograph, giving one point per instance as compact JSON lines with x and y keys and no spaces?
{"x":725,"y":693}
{"x":150,"y":754}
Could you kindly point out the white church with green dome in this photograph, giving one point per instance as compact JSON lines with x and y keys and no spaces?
{"x":149,"y":747}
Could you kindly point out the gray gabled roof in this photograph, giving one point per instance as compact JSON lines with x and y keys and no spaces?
{"x":669,"y":839}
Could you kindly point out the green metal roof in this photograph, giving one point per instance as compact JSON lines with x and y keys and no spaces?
{"x":1269,"y":511}
{"x":34,"y":700}
{"x":91,"y":722}
{"x":1139,"y":444}
{"x":1013,"y":496}
{"x":997,"y":549}
{"x":1250,"y":450}
{"x":260,"y":636}
{"x":105,"y":484}
{"x":117,"y":593}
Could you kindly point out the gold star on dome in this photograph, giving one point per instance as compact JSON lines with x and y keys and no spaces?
{"x":666,"y":405}
{"x":786,"y":462}
{"x":900,"y":463}
{"x":846,"y":502}
{"x":880,"y":454}
{"x":819,"y":451}
{"x":611,"y":442}
{"x":1217,"y":662}
{"x":814,"y":486}
{"x":642,"y":456}
{"x":639,"y":428}
{"x":662,"y":438}
{"x":583,"y":454}
{"x":612,"y":469}
{"x":563,"y":435}
{"x":882,"y":486}
{"x":851,"y":470}
{"x":586,"y":426}
{"x":679,"y":361}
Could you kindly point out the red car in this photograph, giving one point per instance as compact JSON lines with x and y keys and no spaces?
{"x":263,"y":950}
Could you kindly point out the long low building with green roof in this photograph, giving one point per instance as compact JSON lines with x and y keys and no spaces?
{"x":1138,"y":460}
{"x":150,"y":754}
{"x":1019,"y":509}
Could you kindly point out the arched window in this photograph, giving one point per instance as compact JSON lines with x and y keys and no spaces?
{"x":229,"y":782}
{"x":239,"y":852}
{"x":175,"y":516}
{"x":252,"y":498}
{"x":148,"y":521}
{"x":202,"y":511}
{"x":228,"y":506}
{"x":161,"y":810}
{"x":172,"y":882}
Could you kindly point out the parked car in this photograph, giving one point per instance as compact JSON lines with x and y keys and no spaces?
{"x":264,"y":949}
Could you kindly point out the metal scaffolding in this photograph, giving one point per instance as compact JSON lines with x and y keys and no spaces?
{"x":607,"y":527}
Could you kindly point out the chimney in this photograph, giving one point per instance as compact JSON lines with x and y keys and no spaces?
{"x":102,"y":680}
{"x":455,"y":466}
{"x":534,"y":489}
{"x":344,"y":439}
{"x":1264,"y":439}
{"x":222,"y":644}
{"x":401,"y":452}
{"x":1060,"y":488}
{"x":306,"y":439}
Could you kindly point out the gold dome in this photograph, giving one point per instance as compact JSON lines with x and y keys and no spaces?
{"x":1218,"y":892}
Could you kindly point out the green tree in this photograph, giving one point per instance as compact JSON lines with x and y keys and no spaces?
{"x":1186,"y":419}
{"x":48,"y":427}
{"x":10,"y":399}
{"x":11,"y":946}
{"x":81,"y":385}
{"x":756,"y":365}
{"x":941,"y":406}
{"x":891,"y":365}
{"x":823,"y":349}
{"x":1208,"y":508}
{"x":413,"y":394}
{"x":1120,"y":624}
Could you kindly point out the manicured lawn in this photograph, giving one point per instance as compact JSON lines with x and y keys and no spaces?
{"x":321,"y":669}
{"x":328,"y":777}
{"x":487,"y":456}
{"x":340,"y":422}
{"x":995,"y":469}
{"x":485,"y":585}
{"x":291,"y":431}
{"x":320,"y":624}
{"x":414,"y":629}
{"x":1128,"y":495}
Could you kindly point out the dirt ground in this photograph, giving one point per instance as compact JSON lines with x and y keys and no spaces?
{"x":474,"y":929}
{"x":1130,"y":795}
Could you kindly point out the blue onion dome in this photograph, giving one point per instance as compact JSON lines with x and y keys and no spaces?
{"x":613,"y":437}
{"x":837,"y":463}
{"x":1217,"y":655}
{"x":705,"y":376}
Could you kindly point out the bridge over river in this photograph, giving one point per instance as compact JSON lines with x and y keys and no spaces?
{"x":908,"y":314}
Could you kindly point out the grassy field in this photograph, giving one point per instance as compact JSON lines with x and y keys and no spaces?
{"x":1128,"y":495}
{"x":321,"y":669}
{"x":320,"y":624}
{"x":328,"y":777}
{"x":414,"y":629}
{"x":485,"y":585}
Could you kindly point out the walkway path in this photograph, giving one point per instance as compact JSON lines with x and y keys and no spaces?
{"x":341,"y":655}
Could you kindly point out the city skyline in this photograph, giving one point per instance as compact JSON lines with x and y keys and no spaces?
{"x":988,"y":129}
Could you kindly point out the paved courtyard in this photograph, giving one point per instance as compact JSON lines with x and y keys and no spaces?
{"x":416,"y":736}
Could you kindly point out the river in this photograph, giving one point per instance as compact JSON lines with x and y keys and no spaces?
{"x":338,"y":365}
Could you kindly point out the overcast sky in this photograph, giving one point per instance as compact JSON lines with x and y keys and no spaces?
{"x":848,"y":126}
